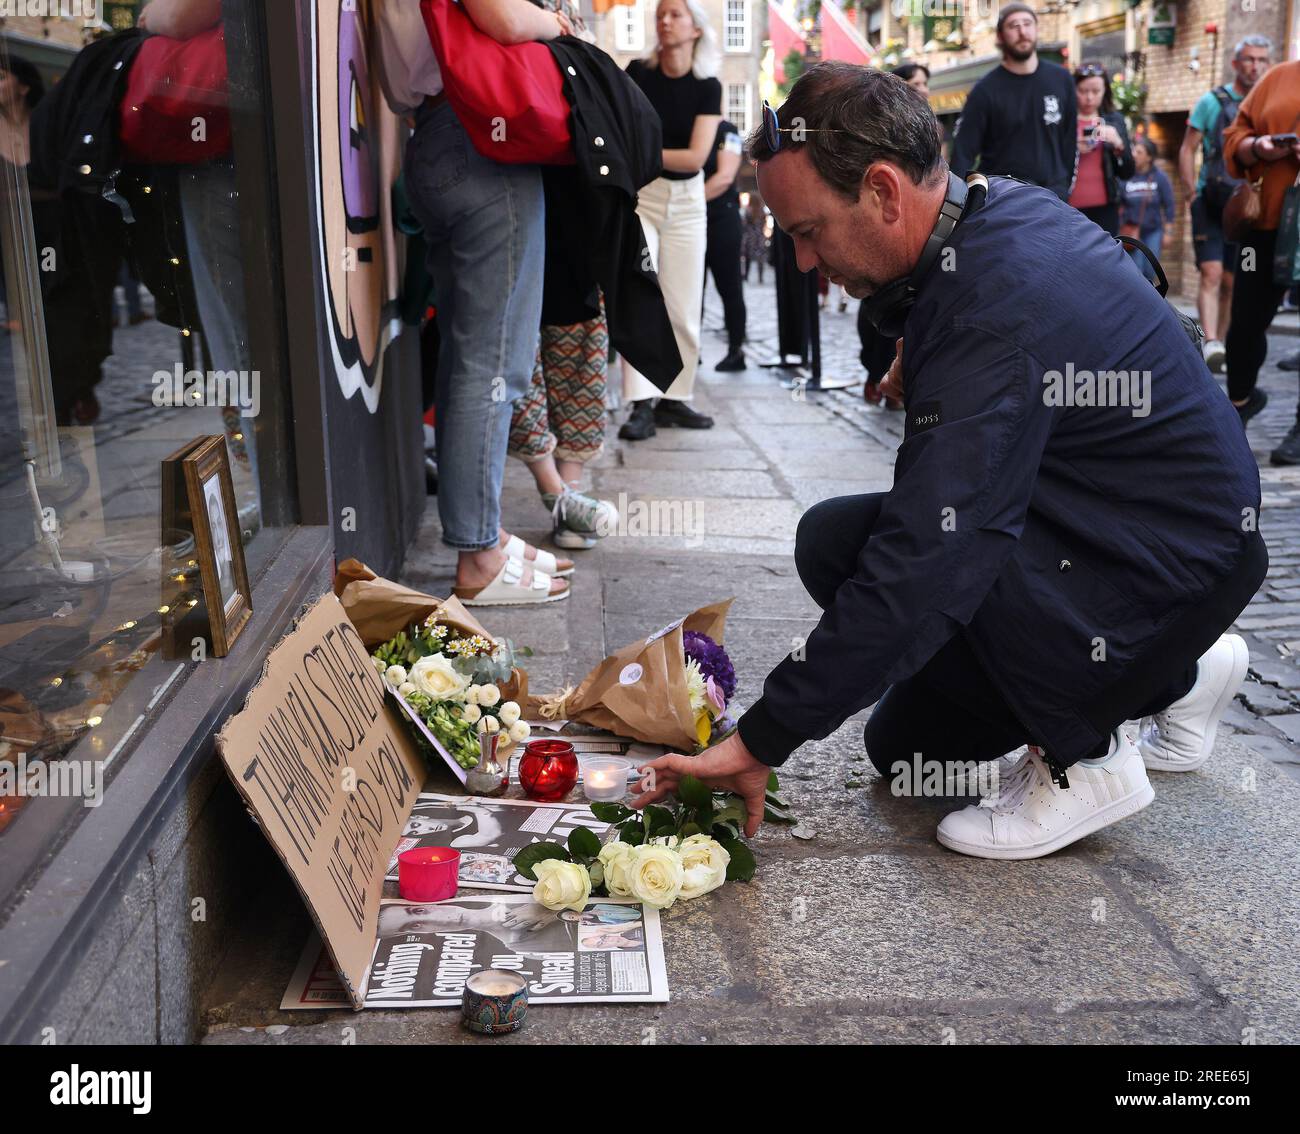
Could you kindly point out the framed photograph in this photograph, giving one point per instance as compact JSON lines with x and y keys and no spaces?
{"x":182,"y":623}
{"x":219,"y":549}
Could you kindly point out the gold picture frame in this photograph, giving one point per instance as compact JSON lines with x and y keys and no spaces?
{"x":219,"y":547}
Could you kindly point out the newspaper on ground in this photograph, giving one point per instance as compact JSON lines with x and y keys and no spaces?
{"x":611,"y":952}
{"x":489,"y":833}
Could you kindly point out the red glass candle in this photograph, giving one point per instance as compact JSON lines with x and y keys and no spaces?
{"x":428,"y":874}
{"x":548,"y":769}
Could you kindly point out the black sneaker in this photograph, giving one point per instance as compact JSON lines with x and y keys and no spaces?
{"x":1256,"y":402}
{"x":735,"y":360}
{"x":672,"y":411}
{"x":640,"y":423}
{"x":1288,"y":453}
{"x":1290,"y":362}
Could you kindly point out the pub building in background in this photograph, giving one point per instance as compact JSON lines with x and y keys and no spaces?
{"x":1167,"y":54}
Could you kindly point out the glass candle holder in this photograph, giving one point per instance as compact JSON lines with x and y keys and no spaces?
{"x":548,"y":769}
{"x":495,"y":1001}
{"x":604,"y":778}
{"x":428,"y":874}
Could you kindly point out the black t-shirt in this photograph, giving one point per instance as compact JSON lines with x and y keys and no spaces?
{"x":727,"y":138}
{"x":679,"y":102}
{"x":1021,"y":126}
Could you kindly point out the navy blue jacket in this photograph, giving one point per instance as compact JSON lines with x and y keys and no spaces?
{"x":1076,"y":544}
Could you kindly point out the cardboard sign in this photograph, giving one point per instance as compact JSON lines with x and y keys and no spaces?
{"x":330,"y":777}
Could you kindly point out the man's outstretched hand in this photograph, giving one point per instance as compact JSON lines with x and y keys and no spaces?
{"x":728,"y":766}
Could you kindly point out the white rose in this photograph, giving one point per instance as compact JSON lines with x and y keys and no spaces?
{"x":655,"y":875}
{"x":405,"y":690}
{"x":509,"y":713}
{"x":488,"y":695}
{"x":471,"y":695}
{"x":395,"y":674}
{"x":704,"y":861}
{"x":561,"y":885}
{"x":616,"y":860}
{"x":471,"y":713}
{"x":491,"y":724}
{"x":435,"y":677}
{"x":519,"y":731}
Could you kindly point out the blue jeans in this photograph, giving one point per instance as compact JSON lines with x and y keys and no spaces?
{"x":484,"y":223}
{"x":1152,"y":240}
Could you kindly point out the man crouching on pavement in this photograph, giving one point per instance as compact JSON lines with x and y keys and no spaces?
{"x":1060,"y":552}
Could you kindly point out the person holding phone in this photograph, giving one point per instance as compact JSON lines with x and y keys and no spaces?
{"x":1261,"y":143}
{"x":1105,"y":158}
{"x":1216,"y":257}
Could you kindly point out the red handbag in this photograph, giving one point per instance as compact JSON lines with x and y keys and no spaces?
{"x":171,"y":83}
{"x":509,"y":99}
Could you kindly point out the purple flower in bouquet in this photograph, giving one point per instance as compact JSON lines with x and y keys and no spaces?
{"x":712,"y":660}
{"x":713,"y":693}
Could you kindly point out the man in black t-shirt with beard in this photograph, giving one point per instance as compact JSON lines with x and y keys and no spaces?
{"x":1020,"y":119}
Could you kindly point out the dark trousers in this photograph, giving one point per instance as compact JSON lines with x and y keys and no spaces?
{"x":796,"y":302}
{"x":1105,"y":216}
{"x":1254,"y":303}
{"x":950,"y":710}
{"x":878,"y":351}
{"x":722,"y":262}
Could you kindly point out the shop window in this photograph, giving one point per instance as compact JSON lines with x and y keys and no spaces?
{"x":125,"y":336}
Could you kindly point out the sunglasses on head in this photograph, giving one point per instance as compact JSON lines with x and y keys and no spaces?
{"x":772,"y":128}
{"x":1092,"y":70}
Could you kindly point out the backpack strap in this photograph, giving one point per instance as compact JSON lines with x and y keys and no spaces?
{"x":1227,"y":111}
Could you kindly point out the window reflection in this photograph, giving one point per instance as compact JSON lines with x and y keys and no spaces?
{"x":123,"y":287}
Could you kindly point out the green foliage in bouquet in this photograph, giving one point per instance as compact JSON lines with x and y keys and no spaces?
{"x":482,"y":660}
{"x":697,"y":811}
{"x":473,"y":663}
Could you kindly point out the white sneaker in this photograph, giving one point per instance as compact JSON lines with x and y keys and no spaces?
{"x":1214,"y":356}
{"x":1030,"y":816}
{"x":1181,"y":738}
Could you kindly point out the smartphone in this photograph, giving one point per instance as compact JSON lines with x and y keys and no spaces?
{"x":1089,"y":132}
{"x":1282,"y":139}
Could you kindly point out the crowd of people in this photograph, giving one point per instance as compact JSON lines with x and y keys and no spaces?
{"x":1028,"y":118}
{"x":1020,"y":119}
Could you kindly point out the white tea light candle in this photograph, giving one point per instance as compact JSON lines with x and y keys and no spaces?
{"x":604,"y":778}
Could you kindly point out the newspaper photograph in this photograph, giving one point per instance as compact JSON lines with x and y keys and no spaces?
{"x":489,"y":833}
{"x":610,"y":953}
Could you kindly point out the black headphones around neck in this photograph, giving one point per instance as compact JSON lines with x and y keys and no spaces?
{"x":887,"y":309}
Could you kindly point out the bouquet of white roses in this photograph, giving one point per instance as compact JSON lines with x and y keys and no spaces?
{"x":450,"y":680}
{"x":657,"y":855}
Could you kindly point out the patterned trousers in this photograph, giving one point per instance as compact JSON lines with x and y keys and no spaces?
{"x":563,"y":412}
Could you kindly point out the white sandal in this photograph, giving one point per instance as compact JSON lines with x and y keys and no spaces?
{"x":507,"y":588}
{"x":545,"y":561}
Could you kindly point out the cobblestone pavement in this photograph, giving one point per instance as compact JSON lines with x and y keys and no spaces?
{"x":1267,"y":711}
{"x":1176,"y":925}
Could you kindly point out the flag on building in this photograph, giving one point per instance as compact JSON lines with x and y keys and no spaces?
{"x":786,"y":36}
{"x":841,"y":39}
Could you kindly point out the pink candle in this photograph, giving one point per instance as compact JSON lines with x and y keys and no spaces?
{"x":428,"y":874}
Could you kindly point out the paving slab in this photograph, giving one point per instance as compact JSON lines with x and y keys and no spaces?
{"x":1178,"y":925}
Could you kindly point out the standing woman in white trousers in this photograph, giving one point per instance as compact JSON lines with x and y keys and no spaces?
{"x":678,"y":79}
